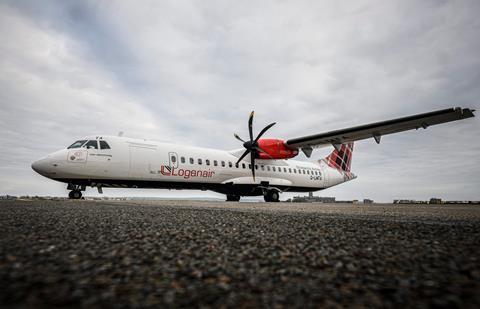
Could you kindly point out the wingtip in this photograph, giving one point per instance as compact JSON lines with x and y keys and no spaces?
{"x":467,"y":112}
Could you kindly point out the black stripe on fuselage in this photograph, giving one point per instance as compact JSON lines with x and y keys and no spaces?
{"x":228,"y":188}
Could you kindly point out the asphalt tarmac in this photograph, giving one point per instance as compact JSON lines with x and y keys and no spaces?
{"x":213,"y":254}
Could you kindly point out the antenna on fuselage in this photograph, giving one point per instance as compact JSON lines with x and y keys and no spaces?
{"x":120,"y":134}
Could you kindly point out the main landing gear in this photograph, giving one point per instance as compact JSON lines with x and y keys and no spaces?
{"x":271,"y":196}
{"x":76,"y":191}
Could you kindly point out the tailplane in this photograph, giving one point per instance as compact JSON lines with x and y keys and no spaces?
{"x":341,"y":157}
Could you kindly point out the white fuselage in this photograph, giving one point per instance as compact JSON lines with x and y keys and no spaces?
{"x":148,"y":164}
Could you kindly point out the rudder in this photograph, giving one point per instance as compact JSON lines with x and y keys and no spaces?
{"x":341,"y":159}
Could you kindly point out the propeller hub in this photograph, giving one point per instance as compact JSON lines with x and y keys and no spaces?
{"x":249,"y":144}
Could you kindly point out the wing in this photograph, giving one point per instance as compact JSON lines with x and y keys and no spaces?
{"x":378,"y":129}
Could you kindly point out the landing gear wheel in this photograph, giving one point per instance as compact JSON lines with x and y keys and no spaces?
{"x":75,"y":194}
{"x":271,"y":196}
{"x":233,"y":198}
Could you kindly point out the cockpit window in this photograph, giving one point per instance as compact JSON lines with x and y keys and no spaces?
{"x":91,"y":144}
{"x":104,"y":145}
{"x":77,"y":144}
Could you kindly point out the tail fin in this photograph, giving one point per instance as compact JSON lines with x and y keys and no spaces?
{"x":341,"y":159}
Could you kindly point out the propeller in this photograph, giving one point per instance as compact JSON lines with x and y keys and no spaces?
{"x":251,"y":145}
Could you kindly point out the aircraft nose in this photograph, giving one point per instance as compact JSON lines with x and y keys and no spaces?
{"x":40,"y":166}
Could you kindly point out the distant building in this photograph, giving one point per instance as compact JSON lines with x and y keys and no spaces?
{"x":404,"y":201}
{"x":7,"y":197}
{"x":367,"y":201}
{"x":313,"y":199}
{"x":409,"y":202}
{"x":435,"y":200}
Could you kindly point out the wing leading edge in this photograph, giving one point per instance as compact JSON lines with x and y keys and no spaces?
{"x":378,"y":129}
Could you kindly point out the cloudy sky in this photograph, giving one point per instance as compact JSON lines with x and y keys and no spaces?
{"x":191,"y":71}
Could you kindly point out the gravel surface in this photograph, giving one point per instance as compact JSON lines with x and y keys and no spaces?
{"x":211,"y":254}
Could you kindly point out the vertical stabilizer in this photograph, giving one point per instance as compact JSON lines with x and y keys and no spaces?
{"x":341,"y":157}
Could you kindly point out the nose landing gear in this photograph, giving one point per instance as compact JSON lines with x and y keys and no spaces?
{"x":75,"y":194}
{"x":76,"y":191}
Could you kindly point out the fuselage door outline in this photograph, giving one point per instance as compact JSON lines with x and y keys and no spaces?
{"x":173,"y":159}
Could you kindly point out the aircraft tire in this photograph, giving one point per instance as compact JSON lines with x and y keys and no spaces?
{"x":271,"y":196}
{"x":75,"y":194}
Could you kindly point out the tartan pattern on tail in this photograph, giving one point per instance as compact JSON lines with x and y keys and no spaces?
{"x":342,"y":159}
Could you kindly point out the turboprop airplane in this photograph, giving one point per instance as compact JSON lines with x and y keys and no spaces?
{"x":265,"y":167}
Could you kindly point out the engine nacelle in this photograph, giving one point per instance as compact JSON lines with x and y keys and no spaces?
{"x":275,"y":148}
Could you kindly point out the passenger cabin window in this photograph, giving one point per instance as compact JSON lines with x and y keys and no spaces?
{"x":207,"y":162}
{"x":182,"y":159}
{"x":243,"y":165}
{"x":256,"y":166}
{"x":91,"y":144}
{"x":294,"y":170}
{"x":77,"y":144}
{"x":236,"y":165}
{"x":199,"y":161}
{"x":273,"y":168}
{"x":191,"y":161}
{"x":173,"y":159}
{"x":104,"y":145}
{"x":262,"y":167}
{"x":215,"y":162}
{"x":223,"y":163}
{"x":268,"y":168}
{"x":230,"y":164}
{"x":290,"y":170}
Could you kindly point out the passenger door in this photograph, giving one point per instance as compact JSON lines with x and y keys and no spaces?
{"x":173,"y":159}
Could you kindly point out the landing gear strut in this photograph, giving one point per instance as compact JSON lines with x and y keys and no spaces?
{"x":271,"y":196}
{"x":233,"y":198}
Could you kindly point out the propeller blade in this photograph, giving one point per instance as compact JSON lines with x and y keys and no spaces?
{"x":260,"y":150}
{"x":250,"y":121}
{"x":243,"y":155}
{"x":264,"y":130}
{"x":252,"y":159}
{"x":238,"y":137}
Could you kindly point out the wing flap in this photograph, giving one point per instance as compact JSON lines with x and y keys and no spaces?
{"x":378,"y":129}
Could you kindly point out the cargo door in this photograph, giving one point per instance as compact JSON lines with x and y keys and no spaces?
{"x":142,"y":162}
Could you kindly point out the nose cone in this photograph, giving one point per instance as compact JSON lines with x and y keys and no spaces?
{"x":40,"y":166}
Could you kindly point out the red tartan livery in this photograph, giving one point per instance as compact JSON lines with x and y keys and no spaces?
{"x":341,"y":159}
